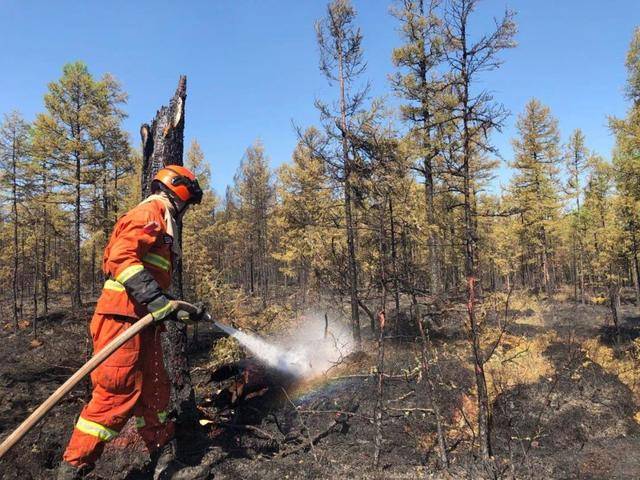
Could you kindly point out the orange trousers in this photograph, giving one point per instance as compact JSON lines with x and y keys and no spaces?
{"x":132,"y":381}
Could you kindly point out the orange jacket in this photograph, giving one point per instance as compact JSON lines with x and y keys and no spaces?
{"x":139,"y":239}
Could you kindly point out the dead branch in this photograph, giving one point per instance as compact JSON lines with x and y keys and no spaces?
{"x":403,"y":397}
{"x":411,"y":409}
{"x":310,"y":442}
{"x":251,"y":428}
{"x":305,"y":429}
{"x":337,"y":412}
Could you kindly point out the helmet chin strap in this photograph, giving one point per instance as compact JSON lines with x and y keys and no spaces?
{"x":180,"y":211}
{"x":178,"y":207}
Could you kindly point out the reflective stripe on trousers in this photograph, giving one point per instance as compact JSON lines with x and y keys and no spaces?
{"x":113,"y":285}
{"x":95,"y":429}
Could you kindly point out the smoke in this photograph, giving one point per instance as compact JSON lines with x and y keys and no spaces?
{"x":306,"y":351}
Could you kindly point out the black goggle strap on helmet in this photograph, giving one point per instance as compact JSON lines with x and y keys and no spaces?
{"x":192,"y":185}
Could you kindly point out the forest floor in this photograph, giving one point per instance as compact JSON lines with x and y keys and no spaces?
{"x":564,"y":387}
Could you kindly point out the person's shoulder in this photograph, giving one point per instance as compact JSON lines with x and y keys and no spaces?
{"x":146,"y":212}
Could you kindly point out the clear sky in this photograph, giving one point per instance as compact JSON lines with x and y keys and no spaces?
{"x":252,"y":65}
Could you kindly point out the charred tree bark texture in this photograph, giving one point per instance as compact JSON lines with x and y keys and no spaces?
{"x":162,"y":144}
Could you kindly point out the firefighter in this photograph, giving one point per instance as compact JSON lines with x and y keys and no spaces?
{"x":133,"y":382}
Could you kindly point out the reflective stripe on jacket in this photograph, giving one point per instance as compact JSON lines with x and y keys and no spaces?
{"x":139,"y":240}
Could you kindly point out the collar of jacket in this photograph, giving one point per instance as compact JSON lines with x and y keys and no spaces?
{"x":172,"y":226}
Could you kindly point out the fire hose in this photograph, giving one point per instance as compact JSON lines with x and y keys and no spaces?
{"x":85,"y":370}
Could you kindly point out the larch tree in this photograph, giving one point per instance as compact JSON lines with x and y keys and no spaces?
{"x":41,"y":194}
{"x":535,"y":191}
{"x":576,"y":159}
{"x":76,"y":106}
{"x":633,"y":69}
{"x":605,"y":237}
{"x":626,"y":158}
{"x":198,"y":230}
{"x":14,"y":152}
{"x":473,"y":114}
{"x":113,"y":160}
{"x":341,"y":61}
{"x":305,"y":215}
{"x":422,"y":86}
{"x":255,"y":192}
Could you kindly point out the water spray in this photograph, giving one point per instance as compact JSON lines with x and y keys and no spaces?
{"x":308,"y":353}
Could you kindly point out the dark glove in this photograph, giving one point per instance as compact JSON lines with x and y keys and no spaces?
{"x":191,"y":317}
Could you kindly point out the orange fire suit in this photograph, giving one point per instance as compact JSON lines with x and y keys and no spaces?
{"x":133,"y":380}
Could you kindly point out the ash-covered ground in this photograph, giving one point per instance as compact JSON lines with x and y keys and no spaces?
{"x":564,"y":405}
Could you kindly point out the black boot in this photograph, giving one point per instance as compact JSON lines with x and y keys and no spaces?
{"x":66,"y":471}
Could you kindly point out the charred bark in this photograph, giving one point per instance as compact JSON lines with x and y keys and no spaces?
{"x":162,"y":144}
{"x":379,"y":408}
{"x":443,"y":455}
{"x":14,"y":211}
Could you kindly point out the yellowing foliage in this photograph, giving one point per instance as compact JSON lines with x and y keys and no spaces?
{"x":598,"y":300}
{"x":518,"y":360}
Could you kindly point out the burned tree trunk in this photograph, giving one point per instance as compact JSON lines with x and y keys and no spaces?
{"x":162,"y":144}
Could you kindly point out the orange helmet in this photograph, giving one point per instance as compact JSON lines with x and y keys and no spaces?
{"x":181,"y":182}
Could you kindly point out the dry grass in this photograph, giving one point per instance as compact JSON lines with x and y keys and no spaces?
{"x":626,"y":365}
{"x":519,"y":360}
{"x":225,"y":351}
{"x":522,"y":302}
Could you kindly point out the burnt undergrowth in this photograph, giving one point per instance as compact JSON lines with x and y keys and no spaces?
{"x":573,"y":421}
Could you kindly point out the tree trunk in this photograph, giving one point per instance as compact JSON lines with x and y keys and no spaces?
{"x":23,"y":272}
{"x":36,"y":273}
{"x":614,"y":305}
{"x":348,"y":213}
{"x":430,"y":391}
{"x":636,"y":270}
{"x":484,"y":416}
{"x":379,"y":408}
{"x":45,"y":243}
{"x":434,"y":260}
{"x":546,"y":277}
{"x":574,"y":259}
{"x":162,"y":144}
{"x":94,"y":254}
{"x":394,"y":262}
{"x":14,"y":208}
{"x":76,"y":299}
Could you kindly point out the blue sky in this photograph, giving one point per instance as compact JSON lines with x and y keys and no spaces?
{"x":252,"y":65}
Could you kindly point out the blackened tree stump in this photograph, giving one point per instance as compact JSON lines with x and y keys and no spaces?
{"x":163,"y":144}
